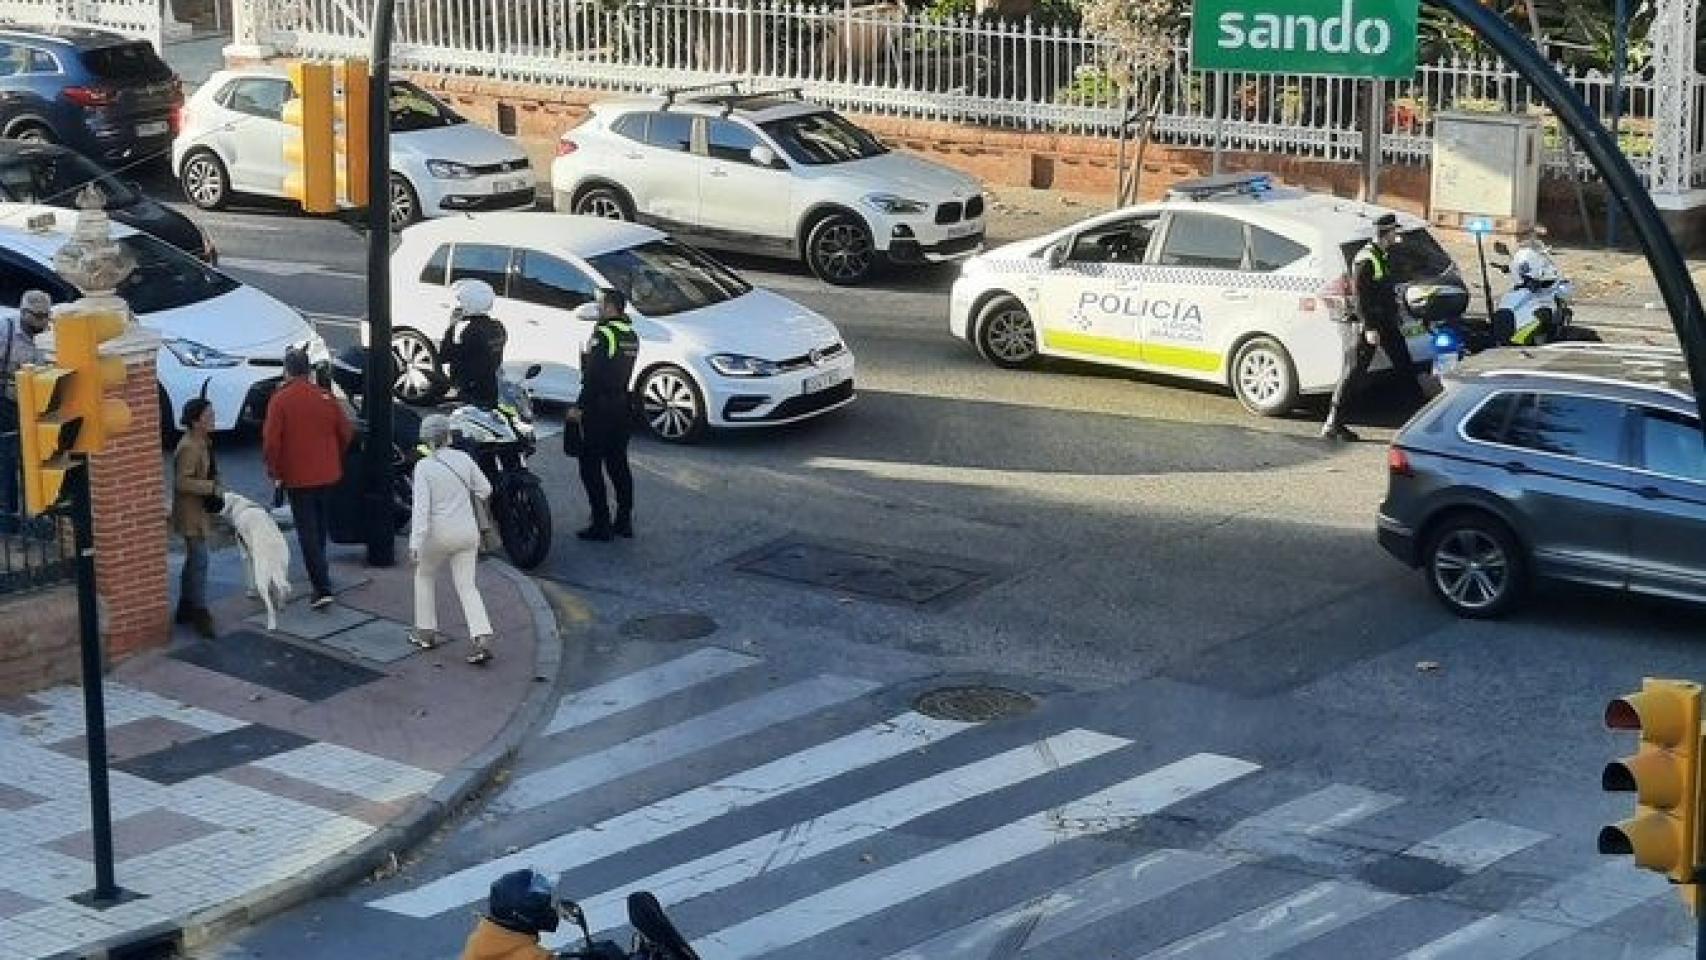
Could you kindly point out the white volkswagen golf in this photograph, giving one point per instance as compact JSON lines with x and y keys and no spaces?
{"x":715,"y":352}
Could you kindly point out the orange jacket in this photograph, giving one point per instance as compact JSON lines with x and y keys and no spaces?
{"x":492,"y":942}
{"x":305,"y":436}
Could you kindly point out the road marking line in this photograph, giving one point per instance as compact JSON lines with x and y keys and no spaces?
{"x":683,"y":739}
{"x":1475,"y":845}
{"x":1294,"y":829}
{"x":877,"y":743}
{"x":1279,"y":926}
{"x":1071,"y":908}
{"x":854,"y":822}
{"x":1558,"y":912}
{"x":286,"y":268}
{"x":1101,"y":812}
{"x":641,"y":687}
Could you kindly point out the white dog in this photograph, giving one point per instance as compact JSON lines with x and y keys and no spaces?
{"x":266,"y":555}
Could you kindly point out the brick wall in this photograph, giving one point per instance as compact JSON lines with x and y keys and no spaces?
{"x":41,"y":640}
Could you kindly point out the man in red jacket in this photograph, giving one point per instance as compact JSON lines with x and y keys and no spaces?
{"x":303,"y":444}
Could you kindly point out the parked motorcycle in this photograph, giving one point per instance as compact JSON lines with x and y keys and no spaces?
{"x":1536,"y":310}
{"x":655,"y":937}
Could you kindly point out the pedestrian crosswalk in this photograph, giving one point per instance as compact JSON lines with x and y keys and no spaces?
{"x":869,"y":834}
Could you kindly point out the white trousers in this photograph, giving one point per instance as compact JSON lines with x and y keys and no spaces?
{"x":461,"y":558}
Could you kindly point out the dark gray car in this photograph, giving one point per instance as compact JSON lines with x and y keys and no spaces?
{"x":1577,"y":462}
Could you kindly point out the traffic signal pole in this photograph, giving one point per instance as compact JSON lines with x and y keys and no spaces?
{"x":376,"y":405}
{"x":106,"y":890}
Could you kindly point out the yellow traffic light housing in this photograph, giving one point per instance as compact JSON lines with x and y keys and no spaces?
{"x":78,"y":332}
{"x":352,"y":137}
{"x":47,"y":433}
{"x":310,"y":160}
{"x":1664,"y":774}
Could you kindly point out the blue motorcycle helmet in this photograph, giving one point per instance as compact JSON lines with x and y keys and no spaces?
{"x":523,"y":901}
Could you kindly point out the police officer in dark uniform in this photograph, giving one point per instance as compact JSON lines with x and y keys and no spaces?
{"x":1376,"y":325}
{"x":607,"y":368}
{"x":473,"y":346}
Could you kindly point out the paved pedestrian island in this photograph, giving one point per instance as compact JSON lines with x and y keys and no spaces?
{"x":258,"y":768}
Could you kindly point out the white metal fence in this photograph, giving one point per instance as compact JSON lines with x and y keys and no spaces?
{"x":137,"y":18}
{"x":884,"y":59}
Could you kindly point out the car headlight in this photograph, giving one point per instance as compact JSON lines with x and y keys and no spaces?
{"x":450,"y":170}
{"x":736,"y":365}
{"x":891,"y":203}
{"x":192,"y":354}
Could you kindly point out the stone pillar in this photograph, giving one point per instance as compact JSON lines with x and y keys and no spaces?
{"x":1675,"y":26}
{"x":250,"y":37}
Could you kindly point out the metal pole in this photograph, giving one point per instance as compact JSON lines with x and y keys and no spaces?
{"x":376,"y":402}
{"x":1373,"y":124}
{"x":1619,"y":57}
{"x":1486,"y":279}
{"x":1219,"y":118}
{"x":94,"y":696}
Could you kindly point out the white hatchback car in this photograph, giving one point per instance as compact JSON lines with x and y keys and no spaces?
{"x":767,"y":173}
{"x":714,"y":350}
{"x":1230,"y":280}
{"x":220,"y":335}
{"x":232,"y":142}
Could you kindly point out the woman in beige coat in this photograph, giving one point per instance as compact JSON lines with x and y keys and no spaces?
{"x":195,"y":491}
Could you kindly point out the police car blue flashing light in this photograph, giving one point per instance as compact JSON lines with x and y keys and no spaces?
{"x":1445,"y":341}
{"x":1480,"y":226}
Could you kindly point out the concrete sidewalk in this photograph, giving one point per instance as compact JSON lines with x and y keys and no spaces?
{"x":258,"y":770}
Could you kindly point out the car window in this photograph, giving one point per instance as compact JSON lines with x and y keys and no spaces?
{"x":166,"y":278}
{"x":550,"y":282}
{"x":670,"y":131}
{"x":630,"y":125}
{"x":664,"y":277}
{"x":434,"y":271}
{"x":1203,"y":240}
{"x":1582,"y":427}
{"x":481,"y":261}
{"x":1418,"y":256}
{"x":1122,"y":241}
{"x":1671,"y":445}
{"x":13,"y":59}
{"x":822,"y":138}
{"x":55,"y":178}
{"x":259,"y":98}
{"x":43,"y":62}
{"x":728,"y":140}
{"x":1270,"y":251}
{"x":134,"y":62}
{"x":414,"y":109}
{"x":18,"y":275}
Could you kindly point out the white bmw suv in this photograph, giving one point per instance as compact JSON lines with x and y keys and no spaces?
{"x":767,"y":172}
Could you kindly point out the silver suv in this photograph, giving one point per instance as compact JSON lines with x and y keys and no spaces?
{"x":1577,"y":462}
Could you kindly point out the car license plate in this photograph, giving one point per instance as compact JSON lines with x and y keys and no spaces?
{"x":825,"y":380}
{"x":960,"y":230}
{"x":152,"y":129}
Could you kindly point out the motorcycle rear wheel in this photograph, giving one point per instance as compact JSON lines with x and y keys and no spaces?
{"x":523,"y":516}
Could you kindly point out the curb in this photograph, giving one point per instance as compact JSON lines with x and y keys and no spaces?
{"x":415,"y":825}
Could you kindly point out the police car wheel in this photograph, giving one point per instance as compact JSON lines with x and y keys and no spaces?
{"x":672,"y":405}
{"x":1006,"y":336}
{"x":1263,"y":378}
{"x":416,"y":362}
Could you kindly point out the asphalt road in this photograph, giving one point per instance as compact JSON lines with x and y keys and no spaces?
{"x":1147,"y":560}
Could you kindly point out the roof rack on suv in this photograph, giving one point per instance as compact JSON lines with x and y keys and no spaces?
{"x":1241,"y":184}
{"x":728,"y":101}
{"x":671,"y":94}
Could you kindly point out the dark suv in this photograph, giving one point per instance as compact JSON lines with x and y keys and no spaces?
{"x":105,"y":95}
{"x":1577,"y":462}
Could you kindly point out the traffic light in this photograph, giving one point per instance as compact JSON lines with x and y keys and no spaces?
{"x":352,"y":136}
{"x":310,"y":160}
{"x":78,"y":332}
{"x":1664,"y":774}
{"x":47,"y":433}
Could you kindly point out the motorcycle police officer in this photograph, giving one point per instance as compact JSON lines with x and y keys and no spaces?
{"x":1376,"y":325}
{"x":473,"y":356}
{"x":605,"y":415}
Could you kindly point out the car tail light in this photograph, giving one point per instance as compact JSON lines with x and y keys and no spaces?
{"x":1398,"y":462}
{"x":1334,"y":297}
{"x":177,"y":118}
{"x":88,"y":96}
{"x":566,"y":146}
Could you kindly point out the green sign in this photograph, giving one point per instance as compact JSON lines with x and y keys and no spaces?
{"x":1347,"y":38}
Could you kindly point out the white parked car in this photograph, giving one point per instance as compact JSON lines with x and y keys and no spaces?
{"x":1228,"y":280}
{"x":232,"y":143}
{"x":220,"y":335}
{"x":768,"y":173}
{"x":714,"y":350}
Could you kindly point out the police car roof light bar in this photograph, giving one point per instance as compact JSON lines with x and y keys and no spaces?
{"x":1234,"y":183}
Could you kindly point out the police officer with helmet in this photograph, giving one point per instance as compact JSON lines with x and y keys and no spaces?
{"x":605,"y":416}
{"x":472,"y":350}
{"x":520,"y":905}
{"x":1376,"y":326}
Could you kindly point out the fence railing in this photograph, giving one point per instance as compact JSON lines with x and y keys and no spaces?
{"x":884,"y":59}
{"x":35,"y":552}
{"x":137,"y":18}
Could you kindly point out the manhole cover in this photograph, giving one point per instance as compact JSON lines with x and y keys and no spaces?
{"x":973,"y":704}
{"x":872,"y":572}
{"x":669,"y":627}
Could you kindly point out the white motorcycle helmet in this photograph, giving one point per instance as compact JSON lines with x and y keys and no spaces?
{"x":1530,"y":263}
{"x":473,"y":297}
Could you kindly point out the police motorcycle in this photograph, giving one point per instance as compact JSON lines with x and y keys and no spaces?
{"x":524,"y":902}
{"x":499,"y":439}
{"x":1536,"y":310}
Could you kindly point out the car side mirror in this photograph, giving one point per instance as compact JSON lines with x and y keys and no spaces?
{"x":1500,"y":248}
{"x":587,"y":313}
{"x":1056,"y":256}
{"x":762,"y":155}
{"x":533,"y":370}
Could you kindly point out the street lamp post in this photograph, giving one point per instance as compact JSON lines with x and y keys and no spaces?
{"x":377,"y":467}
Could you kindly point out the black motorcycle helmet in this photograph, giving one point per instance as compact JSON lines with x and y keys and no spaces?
{"x":523,"y":901}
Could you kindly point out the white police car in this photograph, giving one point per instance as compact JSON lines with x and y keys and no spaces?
{"x":1230,"y":280}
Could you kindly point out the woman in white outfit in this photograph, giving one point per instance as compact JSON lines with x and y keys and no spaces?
{"x":443,"y":530}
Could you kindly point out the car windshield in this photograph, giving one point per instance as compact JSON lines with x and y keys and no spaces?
{"x":55,"y":179}
{"x":1417,"y":258}
{"x":165,"y":279}
{"x":414,"y":109}
{"x":819,"y":138}
{"x":665,"y":277}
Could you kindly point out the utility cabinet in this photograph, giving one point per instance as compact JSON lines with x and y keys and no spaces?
{"x":1486,"y":165}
